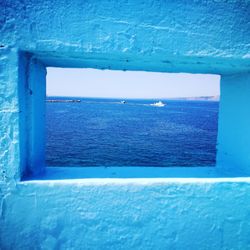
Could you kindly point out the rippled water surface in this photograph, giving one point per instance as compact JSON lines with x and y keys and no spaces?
{"x":104,"y":132}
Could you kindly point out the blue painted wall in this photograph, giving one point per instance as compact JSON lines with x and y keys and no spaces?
{"x":175,"y":209}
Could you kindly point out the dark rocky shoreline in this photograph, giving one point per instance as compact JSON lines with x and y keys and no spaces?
{"x":60,"y":100}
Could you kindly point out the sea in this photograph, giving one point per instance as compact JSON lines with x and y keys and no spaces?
{"x":106,"y":132}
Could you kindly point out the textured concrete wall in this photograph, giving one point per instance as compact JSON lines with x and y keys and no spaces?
{"x":152,"y":213}
{"x":234,"y":124}
{"x":199,"y":35}
{"x":127,"y":214}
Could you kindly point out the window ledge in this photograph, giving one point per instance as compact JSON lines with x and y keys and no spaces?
{"x":136,"y":174}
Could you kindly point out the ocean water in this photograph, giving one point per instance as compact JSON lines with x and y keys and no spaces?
{"x":104,"y":132}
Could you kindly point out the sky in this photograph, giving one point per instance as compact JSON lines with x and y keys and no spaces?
{"x":129,"y":84}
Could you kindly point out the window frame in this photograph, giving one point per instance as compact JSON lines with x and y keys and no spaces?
{"x":32,"y":96}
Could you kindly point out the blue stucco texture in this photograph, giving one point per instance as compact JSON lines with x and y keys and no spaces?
{"x":137,"y":214}
{"x":205,"y":36}
{"x":175,"y":35}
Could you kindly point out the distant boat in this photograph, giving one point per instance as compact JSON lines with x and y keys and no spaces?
{"x":158,"y":104}
{"x":123,"y":102}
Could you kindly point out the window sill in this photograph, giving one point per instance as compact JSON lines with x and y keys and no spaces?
{"x":136,"y":174}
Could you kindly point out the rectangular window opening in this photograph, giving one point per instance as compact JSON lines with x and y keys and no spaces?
{"x":108,"y":118}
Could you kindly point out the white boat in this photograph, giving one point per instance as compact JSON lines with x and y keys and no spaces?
{"x":123,"y":102}
{"x":158,"y":104}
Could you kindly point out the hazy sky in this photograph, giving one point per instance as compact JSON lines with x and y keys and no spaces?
{"x":129,"y":84}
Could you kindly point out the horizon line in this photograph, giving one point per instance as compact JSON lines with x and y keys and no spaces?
{"x":144,"y":98}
